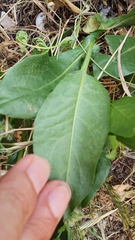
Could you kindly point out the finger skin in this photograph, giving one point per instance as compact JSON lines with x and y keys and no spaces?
{"x":44,"y":220}
{"x":18,"y":198}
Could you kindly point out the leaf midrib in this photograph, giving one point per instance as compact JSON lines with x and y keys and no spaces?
{"x":74,"y":121}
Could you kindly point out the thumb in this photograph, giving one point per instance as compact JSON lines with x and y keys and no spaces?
{"x":19,"y":190}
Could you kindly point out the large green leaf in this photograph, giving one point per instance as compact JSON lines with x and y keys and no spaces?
{"x":70,"y":131}
{"x":127,"y":57}
{"x":28,"y":83}
{"x":122,"y":117}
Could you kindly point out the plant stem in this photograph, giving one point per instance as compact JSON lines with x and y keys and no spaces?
{"x":85,"y":64}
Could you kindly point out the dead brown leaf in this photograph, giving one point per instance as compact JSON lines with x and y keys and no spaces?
{"x":123,"y":191}
{"x":17,"y":136}
{"x":120,"y":188}
{"x":68,"y":4}
{"x":6,"y":21}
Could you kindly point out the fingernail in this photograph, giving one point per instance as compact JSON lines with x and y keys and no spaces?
{"x":38,"y":173}
{"x":58,"y":200}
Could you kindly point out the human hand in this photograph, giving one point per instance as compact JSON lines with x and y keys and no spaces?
{"x":30,"y":208}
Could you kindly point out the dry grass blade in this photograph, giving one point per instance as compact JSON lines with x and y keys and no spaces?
{"x":16,"y":129}
{"x":16,"y":145}
{"x":96,"y":220}
{"x":123,"y":82}
{"x":103,"y":70}
{"x":26,"y":148}
{"x":4,"y":33}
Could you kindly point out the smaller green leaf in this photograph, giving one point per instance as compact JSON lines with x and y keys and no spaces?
{"x":22,"y":37}
{"x":127,"y":57}
{"x":102,"y":171}
{"x":42,"y":47}
{"x":131,"y":80}
{"x":95,"y":50}
{"x":122,"y":117}
{"x":121,"y":21}
{"x":27,"y":84}
{"x":129,"y":142}
{"x":100,"y":61}
{"x":91,"y":25}
{"x":114,"y":146}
